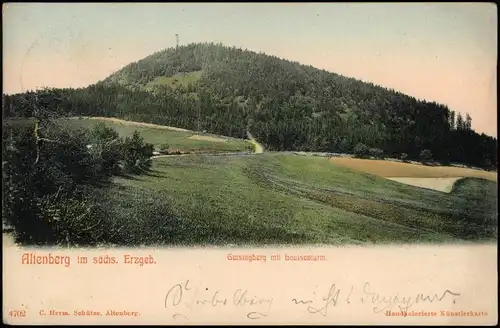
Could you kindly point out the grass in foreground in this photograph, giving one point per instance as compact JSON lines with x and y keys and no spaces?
{"x":284,"y":199}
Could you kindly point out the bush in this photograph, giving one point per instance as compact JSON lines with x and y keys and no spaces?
{"x":50,"y":187}
{"x":101,"y":132}
{"x":136,"y":154}
{"x":377,"y":153}
{"x":425,"y":155}
{"x":84,"y":221}
{"x":41,"y":194}
{"x":361,"y":150}
{"x":105,"y":147}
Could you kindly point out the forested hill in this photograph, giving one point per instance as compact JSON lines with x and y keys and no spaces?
{"x":285,"y":105}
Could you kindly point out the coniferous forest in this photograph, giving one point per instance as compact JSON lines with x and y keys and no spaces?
{"x":285,"y":105}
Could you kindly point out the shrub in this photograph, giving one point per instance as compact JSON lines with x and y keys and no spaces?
{"x":136,"y":154}
{"x":84,"y":221}
{"x":42,"y":189}
{"x":361,"y":150}
{"x":102,"y":132}
{"x":425,"y":155}
{"x":377,"y":153}
{"x":105,"y":148}
{"x":50,"y":187}
{"x":53,"y":189}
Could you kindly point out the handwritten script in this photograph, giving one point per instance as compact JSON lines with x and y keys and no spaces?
{"x":377,"y":300}
{"x":184,"y":295}
{"x":185,"y":298}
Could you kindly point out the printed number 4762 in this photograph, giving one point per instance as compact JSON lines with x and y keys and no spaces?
{"x":17,"y":313}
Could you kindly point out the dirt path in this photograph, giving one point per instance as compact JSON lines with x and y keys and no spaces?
{"x":258,"y":147}
{"x":120,"y":121}
{"x":207,"y":138}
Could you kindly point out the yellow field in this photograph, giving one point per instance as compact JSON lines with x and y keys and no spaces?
{"x":388,"y":169}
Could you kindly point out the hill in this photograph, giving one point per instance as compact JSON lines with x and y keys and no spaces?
{"x":285,"y":105}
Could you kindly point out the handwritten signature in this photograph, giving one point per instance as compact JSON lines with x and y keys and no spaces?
{"x":185,"y":295}
{"x":183,"y":298}
{"x":379,"y":301}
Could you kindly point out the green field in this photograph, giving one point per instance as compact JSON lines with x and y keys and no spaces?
{"x":277,"y":199}
{"x":175,"y":81}
{"x":178,"y":140}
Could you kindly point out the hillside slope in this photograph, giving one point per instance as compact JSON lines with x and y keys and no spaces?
{"x":285,"y":105}
{"x":279,"y":199}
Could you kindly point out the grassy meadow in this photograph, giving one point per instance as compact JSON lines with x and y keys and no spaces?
{"x":278,"y":199}
{"x":177,"y":139}
{"x":175,"y":81}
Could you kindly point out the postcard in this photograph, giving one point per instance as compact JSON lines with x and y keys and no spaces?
{"x":249,"y":164}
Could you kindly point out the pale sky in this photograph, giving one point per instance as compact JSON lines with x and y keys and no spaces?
{"x":443,"y":52}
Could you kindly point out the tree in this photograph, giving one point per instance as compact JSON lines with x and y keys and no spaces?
{"x":460,"y":122}
{"x":452,"y":122}
{"x":468,"y":122}
{"x":137,"y":154}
